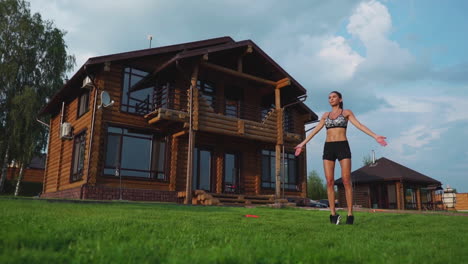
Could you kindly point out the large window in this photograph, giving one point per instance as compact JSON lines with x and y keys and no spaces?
{"x":208,"y":92}
{"x":138,"y":101}
{"x":79,"y":145}
{"x":290,"y":172}
{"x":83,"y":103}
{"x":131,"y":153}
{"x":410,"y":198}
{"x":289,"y":169}
{"x":268,"y":169}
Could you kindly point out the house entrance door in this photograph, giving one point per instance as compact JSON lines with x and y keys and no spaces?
{"x":231,"y":173}
{"x":202,"y":167}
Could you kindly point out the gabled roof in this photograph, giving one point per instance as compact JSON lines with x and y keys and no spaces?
{"x":386,"y":170}
{"x":180,"y":51}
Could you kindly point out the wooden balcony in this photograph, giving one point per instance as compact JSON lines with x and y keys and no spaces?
{"x":254,"y":123}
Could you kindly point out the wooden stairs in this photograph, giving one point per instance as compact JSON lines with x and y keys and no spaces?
{"x":202,"y":197}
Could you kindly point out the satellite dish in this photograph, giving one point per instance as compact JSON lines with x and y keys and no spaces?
{"x":105,"y":100}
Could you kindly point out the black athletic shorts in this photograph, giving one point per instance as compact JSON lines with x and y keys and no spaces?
{"x":336,"y":150}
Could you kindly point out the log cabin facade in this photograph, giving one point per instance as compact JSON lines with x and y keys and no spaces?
{"x":385,"y":184}
{"x":199,"y":119}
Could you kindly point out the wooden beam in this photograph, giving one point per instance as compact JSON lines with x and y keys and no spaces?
{"x":283,"y":83}
{"x":181,"y":133}
{"x":249,"y":49}
{"x":237,"y":74}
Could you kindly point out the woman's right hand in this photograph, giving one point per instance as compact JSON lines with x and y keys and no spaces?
{"x":381,"y":140}
{"x":298,"y":149}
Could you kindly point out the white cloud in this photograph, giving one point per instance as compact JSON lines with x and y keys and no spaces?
{"x":370,"y":22}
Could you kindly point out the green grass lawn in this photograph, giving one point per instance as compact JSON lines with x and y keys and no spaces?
{"x":36,"y":231}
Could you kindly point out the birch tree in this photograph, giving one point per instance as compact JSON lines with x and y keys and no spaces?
{"x":32,"y":56}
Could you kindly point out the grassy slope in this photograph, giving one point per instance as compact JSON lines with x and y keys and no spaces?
{"x":42,"y":232}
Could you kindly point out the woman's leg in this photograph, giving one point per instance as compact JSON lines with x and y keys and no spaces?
{"x":329,"y":168}
{"x":346,"y":177}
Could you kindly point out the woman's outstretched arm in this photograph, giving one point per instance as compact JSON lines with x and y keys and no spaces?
{"x":350,"y":115}
{"x":311,"y":135}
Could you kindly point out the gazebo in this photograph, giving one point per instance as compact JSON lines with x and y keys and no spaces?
{"x":386,"y":184}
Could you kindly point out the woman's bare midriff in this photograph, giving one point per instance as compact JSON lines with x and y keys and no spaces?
{"x":336,"y":134}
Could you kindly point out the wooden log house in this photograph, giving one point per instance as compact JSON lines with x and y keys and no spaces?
{"x":200,"y":122}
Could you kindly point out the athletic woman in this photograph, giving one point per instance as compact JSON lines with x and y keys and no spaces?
{"x":337,"y":147}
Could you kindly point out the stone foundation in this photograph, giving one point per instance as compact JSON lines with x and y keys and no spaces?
{"x":111,"y":193}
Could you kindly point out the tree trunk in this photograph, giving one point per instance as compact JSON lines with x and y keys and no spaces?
{"x":4,"y":170}
{"x":20,"y":178}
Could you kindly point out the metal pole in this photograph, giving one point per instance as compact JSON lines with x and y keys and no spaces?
{"x":283,"y":172}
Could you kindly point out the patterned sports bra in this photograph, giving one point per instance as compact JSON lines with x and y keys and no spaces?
{"x":339,"y":121}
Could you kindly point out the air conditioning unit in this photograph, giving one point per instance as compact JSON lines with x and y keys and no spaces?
{"x":87,"y":83}
{"x":66,"y":131}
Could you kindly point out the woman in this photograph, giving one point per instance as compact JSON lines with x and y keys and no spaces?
{"x":336,"y":147}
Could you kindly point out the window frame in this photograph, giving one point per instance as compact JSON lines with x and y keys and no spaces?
{"x":87,"y":108}
{"x":153,"y":174}
{"x":272,"y":183}
{"x":78,"y":175}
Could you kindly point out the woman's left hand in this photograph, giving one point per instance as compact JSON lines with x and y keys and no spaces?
{"x":381,"y":140}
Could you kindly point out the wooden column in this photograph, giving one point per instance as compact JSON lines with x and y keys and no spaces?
{"x":174,"y":153}
{"x":398,"y":195}
{"x":418,"y":198}
{"x":219,"y":170}
{"x":191,"y":143}
{"x":279,"y":142}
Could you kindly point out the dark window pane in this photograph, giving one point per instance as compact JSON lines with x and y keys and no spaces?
{"x":158,"y":159}
{"x":117,"y":130}
{"x":109,"y":172}
{"x":229,"y":168}
{"x":265,"y":169}
{"x":83,"y":106}
{"x":136,"y":153}
{"x":112,"y":151}
{"x":205,"y":170}
{"x":292,"y":175}
{"x":125,"y":87}
{"x":138,"y":72}
{"x":272,"y":169}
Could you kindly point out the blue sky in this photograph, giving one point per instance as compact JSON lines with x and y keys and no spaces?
{"x":401,"y":65}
